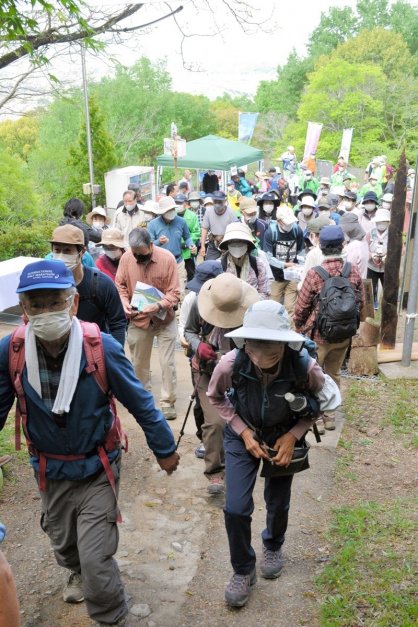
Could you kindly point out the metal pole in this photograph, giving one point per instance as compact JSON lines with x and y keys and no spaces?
{"x":411,"y":308}
{"x":88,"y":132}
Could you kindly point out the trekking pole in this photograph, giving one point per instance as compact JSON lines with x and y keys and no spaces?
{"x":192,"y":398}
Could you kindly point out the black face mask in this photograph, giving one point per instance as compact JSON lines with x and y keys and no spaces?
{"x":143,"y":258}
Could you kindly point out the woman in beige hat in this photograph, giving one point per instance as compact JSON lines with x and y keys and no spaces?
{"x":219,"y":307}
{"x":113,"y":248}
{"x":238,"y":244}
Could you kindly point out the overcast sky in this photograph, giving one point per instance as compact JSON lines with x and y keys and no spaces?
{"x":233,"y":61}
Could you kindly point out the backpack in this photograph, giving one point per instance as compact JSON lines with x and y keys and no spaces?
{"x":96,"y":365}
{"x":338,"y":315}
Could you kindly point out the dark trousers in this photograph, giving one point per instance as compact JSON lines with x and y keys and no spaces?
{"x":190,"y":265}
{"x":199,"y":417}
{"x":212,"y":253}
{"x":240,"y":474}
{"x":375,"y":277}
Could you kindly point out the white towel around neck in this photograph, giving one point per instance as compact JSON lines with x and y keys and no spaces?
{"x":70,"y":367}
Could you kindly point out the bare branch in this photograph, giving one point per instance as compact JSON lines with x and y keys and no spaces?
{"x":11,"y":94}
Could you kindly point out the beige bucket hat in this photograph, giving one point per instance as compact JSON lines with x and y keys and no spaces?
{"x":112,"y":237}
{"x":237,"y":231}
{"x":224,"y":300}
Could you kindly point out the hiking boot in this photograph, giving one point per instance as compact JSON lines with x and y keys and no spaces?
{"x":272,"y":564}
{"x":73,"y":592}
{"x":238,"y":589}
{"x":169,"y":412}
{"x":200,"y":451}
{"x":122,"y":622}
{"x":216,"y":485}
{"x":320,"y":426}
{"x":329,"y":423}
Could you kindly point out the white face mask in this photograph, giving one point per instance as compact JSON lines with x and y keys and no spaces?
{"x":381,"y":226}
{"x":181,"y":209}
{"x":113,"y":254}
{"x":386,"y":205}
{"x":286,"y":228}
{"x":51,"y":325}
{"x":170,"y":215}
{"x":268,"y":207}
{"x":231,"y":189}
{"x":369,"y":207}
{"x":325,"y":212}
{"x":348,"y":205}
{"x":195,"y":204}
{"x":130,"y":208}
{"x":307,"y":211}
{"x":98,"y":224}
{"x":237,"y":250}
{"x":250,"y":219}
{"x":71,"y":261}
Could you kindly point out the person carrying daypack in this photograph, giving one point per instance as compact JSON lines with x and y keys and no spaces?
{"x":64,"y":373}
{"x":329,"y":304}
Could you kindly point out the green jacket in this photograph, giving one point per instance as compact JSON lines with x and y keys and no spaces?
{"x":192,"y":222}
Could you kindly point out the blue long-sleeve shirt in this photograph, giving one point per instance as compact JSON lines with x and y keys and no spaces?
{"x":89,"y":415}
{"x":175,"y":231}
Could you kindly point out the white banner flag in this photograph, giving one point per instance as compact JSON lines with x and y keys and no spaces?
{"x":346,"y":143}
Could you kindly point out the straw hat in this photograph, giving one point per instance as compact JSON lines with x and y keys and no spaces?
{"x":224,"y":300}
{"x":237,"y":231}
{"x":261,"y":175}
{"x":97,"y":211}
{"x":112,"y":237}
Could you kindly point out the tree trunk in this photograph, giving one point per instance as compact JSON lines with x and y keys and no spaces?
{"x":393,"y":259}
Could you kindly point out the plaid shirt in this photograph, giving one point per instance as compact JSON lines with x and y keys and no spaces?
{"x":50,"y":373}
{"x":307,"y":305}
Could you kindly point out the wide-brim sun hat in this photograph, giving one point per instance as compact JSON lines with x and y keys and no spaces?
{"x":224,"y":300}
{"x":208,"y":200}
{"x":112,"y":237}
{"x":268,"y":197}
{"x":97,"y":211}
{"x":269,"y":321}
{"x":166,"y":203}
{"x":204,"y":272}
{"x":237,"y":232}
{"x":382,"y":215}
{"x":308,"y":202}
{"x":307,"y":192}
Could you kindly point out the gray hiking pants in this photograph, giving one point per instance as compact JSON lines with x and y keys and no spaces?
{"x":80,"y":518}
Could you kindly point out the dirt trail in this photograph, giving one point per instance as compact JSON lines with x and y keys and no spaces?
{"x":173,"y":552}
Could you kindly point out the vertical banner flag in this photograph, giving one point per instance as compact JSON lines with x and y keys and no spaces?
{"x":246,"y":126}
{"x":346,"y":143}
{"x":312,"y":138}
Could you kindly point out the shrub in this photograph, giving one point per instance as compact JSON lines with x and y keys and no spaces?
{"x":30,"y":239}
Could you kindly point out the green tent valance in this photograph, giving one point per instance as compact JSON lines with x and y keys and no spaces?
{"x":214,"y":153}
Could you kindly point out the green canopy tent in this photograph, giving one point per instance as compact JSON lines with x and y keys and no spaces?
{"x":213,"y":153}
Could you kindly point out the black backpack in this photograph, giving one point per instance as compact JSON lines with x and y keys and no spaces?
{"x":338,"y":315}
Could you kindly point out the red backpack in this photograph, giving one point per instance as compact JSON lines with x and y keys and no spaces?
{"x":96,"y":365}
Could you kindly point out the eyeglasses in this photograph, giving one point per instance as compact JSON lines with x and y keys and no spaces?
{"x":34,"y":308}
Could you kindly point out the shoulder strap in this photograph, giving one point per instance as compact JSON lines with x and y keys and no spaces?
{"x":253,"y":264}
{"x":16,"y":365}
{"x":345,"y":272}
{"x":240,"y":358}
{"x":322,"y":272}
{"x":93,"y":348}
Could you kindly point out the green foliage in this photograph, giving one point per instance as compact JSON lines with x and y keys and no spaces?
{"x":28,"y":239}
{"x":370,"y":579}
{"x":342,"y":95}
{"x":19,"y":136}
{"x":283,"y":95}
{"x":404,"y":20}
{"x":103,"y":153}
{"x":17,"y":198}
{"x":334,"y":28}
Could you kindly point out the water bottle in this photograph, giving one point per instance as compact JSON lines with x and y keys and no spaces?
{"x":296,"y":403}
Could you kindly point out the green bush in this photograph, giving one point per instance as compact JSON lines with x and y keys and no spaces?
{"x":27,"y":240}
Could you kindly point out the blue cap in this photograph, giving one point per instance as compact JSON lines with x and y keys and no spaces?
{"x":332,"y":235}
{"x":204,"y":271}
{"x":180,"y":198}
{"x":46,"y":274}
{"x":219,"y":195}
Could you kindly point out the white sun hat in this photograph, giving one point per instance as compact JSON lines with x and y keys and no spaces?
{"x":268,"y":320}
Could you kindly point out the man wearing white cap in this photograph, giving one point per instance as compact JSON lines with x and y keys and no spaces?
{"x":261,"y":424}
{"x":377,"y":240}
{"x":129,"y":216}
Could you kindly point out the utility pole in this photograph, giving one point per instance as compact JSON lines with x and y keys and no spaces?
{"x":411,"y":308}
{"x":88,"y":132}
